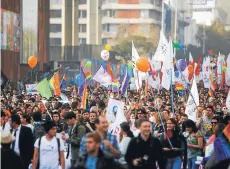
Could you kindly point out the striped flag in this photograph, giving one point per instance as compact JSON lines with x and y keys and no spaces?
{"x":84,"y":97}
{"x":125,"y":83}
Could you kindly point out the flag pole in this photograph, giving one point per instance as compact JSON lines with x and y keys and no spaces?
{"x":162,"y":16}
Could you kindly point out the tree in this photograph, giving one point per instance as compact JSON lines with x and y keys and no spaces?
{"x":144,"y":42}
{"x":217,"y":38}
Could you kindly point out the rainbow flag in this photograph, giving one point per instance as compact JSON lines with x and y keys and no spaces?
{"x":55,"y":83}
{"x":115,"y":86}
{"x":84,"y":97}
{"x":179,"y":87}
{"x":88,"y":76}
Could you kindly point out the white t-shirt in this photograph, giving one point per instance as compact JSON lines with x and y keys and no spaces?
{"x":49,"y":155}
{"x":123,"y":148}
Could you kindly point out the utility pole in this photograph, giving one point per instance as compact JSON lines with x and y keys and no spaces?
{"x":204,"y":37}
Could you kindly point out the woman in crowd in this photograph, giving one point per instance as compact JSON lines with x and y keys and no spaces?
{"x":194,"y":143}
{"x":26,"y":121}
{"x":125,"y":137}
{"x":173,"y":143}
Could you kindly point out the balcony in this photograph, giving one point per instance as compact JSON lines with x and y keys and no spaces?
{"x":106,"y":20}
{"x":130,"y":6}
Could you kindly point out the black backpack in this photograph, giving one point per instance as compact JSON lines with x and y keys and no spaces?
{"x":39,"y":131}
{"x":39,"y":144}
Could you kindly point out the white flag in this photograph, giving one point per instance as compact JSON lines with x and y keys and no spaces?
{"x":102,"y":77}
{"x":166,"y":79}
{"x":161,"y":52}
{"x":193,"y":101}
{"x":206,"y":73}
{"x":219,"y":68}
{"x":228,"y":71}
{"x":228,"y":101}
{"x":155,"y":81}
{"x":137,"y":77}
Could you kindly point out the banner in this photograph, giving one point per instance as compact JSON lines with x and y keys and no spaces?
{"x":115,"y":115}
{"x":31,"y":89}
{"x":193,"y":101}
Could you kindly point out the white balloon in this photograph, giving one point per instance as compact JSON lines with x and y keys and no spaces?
{"x":105,"y":55}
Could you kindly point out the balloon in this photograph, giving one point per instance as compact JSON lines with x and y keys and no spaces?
{"x":177,"y":73}
{"x":224,"y":69}
{"x":142,"y":64}
{"x":190,"y":68}
{"x":181,"y":46}
{"x":105,"y":55}
{"x":79,"y":80}
{"x":32,"y":61}
{"x":176,"y":45}
{"x":181,"y":64}
{"x":107,"y":47}
{"x":88,"y":64}
{"x":130,"y":65}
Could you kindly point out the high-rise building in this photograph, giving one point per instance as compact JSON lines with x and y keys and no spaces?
{"x":132,"y":15}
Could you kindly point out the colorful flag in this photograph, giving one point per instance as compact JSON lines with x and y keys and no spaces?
{"x":88,"y":76}
{"x":198,"y":66}
{"x":125,"y":83}
{"x":43,"y":88}
{"x":210,"y":93}
{"x":115,"y":86}
{"x":179,"y":87}
{"x":64,"y":83}
{"x":81,"y":87}
{"x":84,"y":97}
{"x":55,"y":83}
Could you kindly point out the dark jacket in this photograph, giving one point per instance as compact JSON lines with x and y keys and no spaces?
{"x":26,"y":146}
{"x":75,"y":135}
{"x":9,"y":159}
{"x":149,"y":151}
{"x":104,"y":161}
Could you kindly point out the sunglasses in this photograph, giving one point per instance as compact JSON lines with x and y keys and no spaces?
{"x":214,"y":122}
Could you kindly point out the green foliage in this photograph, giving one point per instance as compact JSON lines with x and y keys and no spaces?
{"x":142,"y":44}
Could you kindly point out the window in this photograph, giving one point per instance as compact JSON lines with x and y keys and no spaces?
{"x":112,"y":13}
{"x":55,"y":2}
{"x":55,"y":41}
{"x":55,"y":27}
{"x":82,"y":41}
{"x":55,"y":13}
{"x":82,"y":14}
{"x":144,"y":13}
{"x":82,"y":28}
{"x":82,"y":2}
{"x":109,"y":28}
{"x":104,"y":41}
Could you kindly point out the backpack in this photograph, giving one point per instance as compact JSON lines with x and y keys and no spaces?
{"x":39,"y":131}
{"x":39,"y":144}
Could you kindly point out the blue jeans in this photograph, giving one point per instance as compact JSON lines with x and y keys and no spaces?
{"x":191,"y":163}
{"x":173,"y":163}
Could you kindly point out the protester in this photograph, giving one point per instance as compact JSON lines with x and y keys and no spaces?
{"x":144,"y":151}
{"x":173,"y":143}
{"x":26,"y":121}
{"x":94,"y":157}
{"x":74,"y":139}
{"x":49,"y":150}
{"x":23,"y":143}
{"x":109,"y":142}
{"x":8,"y":154}
{"x":125,"y":137}
{"x":195,"y":144}
{"x":56,"y":119}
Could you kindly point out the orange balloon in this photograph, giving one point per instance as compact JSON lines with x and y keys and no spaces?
{"x":32,"y":61}
{"x":142,"y":64}
{"x":190,"y":68}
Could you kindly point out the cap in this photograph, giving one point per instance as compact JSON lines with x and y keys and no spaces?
{"x":69,"y":115}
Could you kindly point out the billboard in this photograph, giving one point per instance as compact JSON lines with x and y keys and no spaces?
{"x":10,"y":31}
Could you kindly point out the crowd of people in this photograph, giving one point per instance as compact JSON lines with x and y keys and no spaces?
{"x":40,"y":133}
